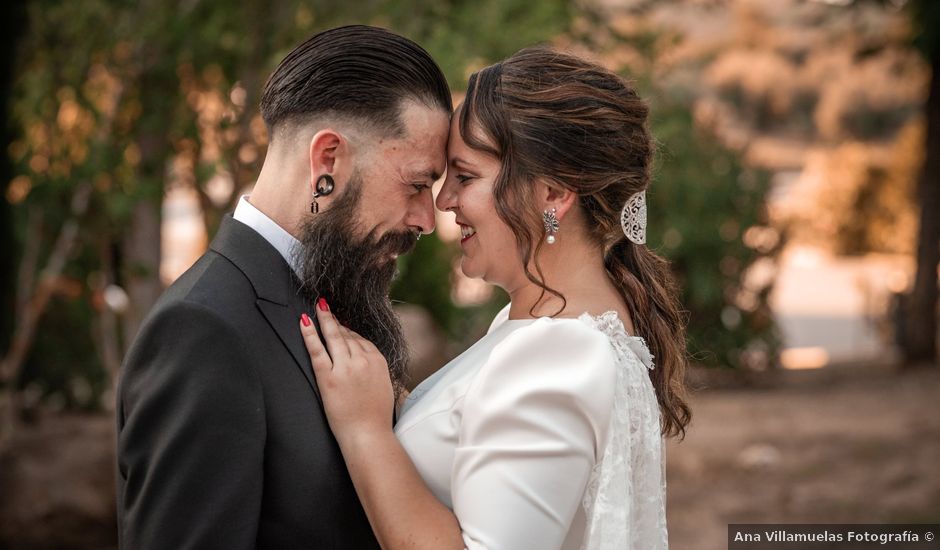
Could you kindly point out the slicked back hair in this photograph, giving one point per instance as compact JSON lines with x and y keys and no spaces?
{"x":358,"y":72}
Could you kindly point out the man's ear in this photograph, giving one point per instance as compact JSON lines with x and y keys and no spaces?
{"x":551,"y":195}
{"x":330,"y":154}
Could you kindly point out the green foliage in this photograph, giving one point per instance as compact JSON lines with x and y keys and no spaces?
{"x":459,"y":36}
{"x":424,"y":279}
{"x":872,"y":123}
{"x":926,"y":17}
{"x":114,"y":94}
{"x":701,"y":202}
{"x":469,"y":34}
{"x":64,"y":365}
{"x":11,"y":27}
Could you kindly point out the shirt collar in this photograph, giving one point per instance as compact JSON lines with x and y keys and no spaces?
{"x":277,"y":236}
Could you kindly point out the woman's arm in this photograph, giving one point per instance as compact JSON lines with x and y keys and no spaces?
{"x":401,"y":509}
{"x":357,"y":395}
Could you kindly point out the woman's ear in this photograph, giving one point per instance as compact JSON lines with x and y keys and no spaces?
{"x":555,"y":196}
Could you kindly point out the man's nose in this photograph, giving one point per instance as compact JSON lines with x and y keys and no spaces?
{"x":422,"y":217}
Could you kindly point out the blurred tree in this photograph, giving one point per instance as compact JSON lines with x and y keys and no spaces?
{"x":868,"y":203}
{"x":11,"y":27}
{"x":102,"y":116}
{"x":707,"y":215}
{"x":457,"y":34}
{"x":167,"y":97}
{"x":419,"y":281}
{"x":920,"y":342}
{"x":466,"y":35}
{"x":707,"y":210}
{"x":58,"y":154}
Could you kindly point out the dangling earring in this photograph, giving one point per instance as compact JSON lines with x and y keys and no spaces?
{"x":324,"y":186}
{"x":551,"y":225}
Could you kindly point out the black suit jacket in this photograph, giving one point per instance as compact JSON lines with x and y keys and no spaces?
{"x":222,"y":438}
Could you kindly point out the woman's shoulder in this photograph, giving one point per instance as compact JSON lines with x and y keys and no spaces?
{"x":557,"y":331}
{"x":557,"y":372}
{"x":561,"y":354}
{"x":500,"y":318}
{"x":584,"y":332}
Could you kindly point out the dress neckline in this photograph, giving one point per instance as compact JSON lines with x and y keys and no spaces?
{"x":609,"y":320}
{"x":610,"y":324}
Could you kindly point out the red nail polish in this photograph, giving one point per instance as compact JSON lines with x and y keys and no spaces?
{"x":321,"y":303}
{"x":304,"y":319}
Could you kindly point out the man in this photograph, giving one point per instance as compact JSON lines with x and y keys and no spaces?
{"x":222,"y":439}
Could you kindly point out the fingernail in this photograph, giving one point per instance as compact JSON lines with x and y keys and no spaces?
{"x":321,"y":303}
{"x":304,"y":319}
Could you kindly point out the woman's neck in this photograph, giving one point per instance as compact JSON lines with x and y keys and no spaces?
{"x":577,"y":273}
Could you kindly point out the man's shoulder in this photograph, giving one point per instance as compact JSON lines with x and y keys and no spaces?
{"x":212,"y":302}
{"x":211,"y":295}
{"x":213,"y":282}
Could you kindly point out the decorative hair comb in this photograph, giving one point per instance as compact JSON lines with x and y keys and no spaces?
{"x":633,"y":218}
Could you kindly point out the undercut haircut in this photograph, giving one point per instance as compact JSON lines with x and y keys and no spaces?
{"x":355,"y":72}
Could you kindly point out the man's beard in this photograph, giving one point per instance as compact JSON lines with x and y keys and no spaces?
{"x":355,"y":276}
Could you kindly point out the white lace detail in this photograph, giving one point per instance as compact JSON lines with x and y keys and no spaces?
{"x":625,"y":502}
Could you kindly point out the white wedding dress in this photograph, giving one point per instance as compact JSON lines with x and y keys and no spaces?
{"x":544,"y":434}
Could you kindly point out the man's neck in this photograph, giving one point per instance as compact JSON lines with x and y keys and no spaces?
{"x":274,"y":196}
{"x":281,"y":240}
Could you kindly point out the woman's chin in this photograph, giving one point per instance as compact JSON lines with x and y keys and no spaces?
{"x":468,"y":269}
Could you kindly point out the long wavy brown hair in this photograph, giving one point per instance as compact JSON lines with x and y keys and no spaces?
{"x":555,"y":117}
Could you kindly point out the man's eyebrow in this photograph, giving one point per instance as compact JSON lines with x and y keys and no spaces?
{"x":426,"y":174}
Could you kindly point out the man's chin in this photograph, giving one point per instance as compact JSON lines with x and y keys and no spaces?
{"x":387,"y":273}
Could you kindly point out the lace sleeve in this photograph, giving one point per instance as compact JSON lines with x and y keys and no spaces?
{"x":625,"y":502}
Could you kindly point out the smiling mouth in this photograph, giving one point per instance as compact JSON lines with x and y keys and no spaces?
{"x":466,"y":232}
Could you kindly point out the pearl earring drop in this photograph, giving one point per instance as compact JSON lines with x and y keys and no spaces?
{"x":551,"y":225}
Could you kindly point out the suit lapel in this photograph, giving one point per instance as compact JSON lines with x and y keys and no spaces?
{"x":276,"y":287}
{"x":285,"y":322}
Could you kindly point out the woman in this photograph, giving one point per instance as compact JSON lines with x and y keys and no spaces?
{"x":547,"y":433}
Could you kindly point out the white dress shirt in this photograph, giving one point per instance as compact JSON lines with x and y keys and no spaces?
{"x":280,"y":239}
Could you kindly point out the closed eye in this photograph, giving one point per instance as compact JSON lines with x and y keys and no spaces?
{"x":463,"y":178}
{"x":419,"y":187}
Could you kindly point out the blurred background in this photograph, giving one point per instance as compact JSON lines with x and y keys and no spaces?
{"x":796,"y":192}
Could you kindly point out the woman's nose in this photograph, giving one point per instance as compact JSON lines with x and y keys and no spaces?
{"x":446,"y":197}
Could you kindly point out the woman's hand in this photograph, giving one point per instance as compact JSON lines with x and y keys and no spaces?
{"x":352,"y":375}
{"x":357,"y":393}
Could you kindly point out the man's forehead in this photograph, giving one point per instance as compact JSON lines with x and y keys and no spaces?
{"x":415,"y":162}
{"x":416,"y":115}
{"x":420,"y":152}
{"x":420,"y":160}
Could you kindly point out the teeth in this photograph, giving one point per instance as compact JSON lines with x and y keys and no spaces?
{"x":466,"y":231}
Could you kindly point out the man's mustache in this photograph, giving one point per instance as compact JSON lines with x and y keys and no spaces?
{"x":395,"y":242}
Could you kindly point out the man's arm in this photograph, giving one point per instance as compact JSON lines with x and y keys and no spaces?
{"x":191,"y":436}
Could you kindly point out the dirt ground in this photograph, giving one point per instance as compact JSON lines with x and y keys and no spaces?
{"x":841,"y":445}
{"x":849,"y":445}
